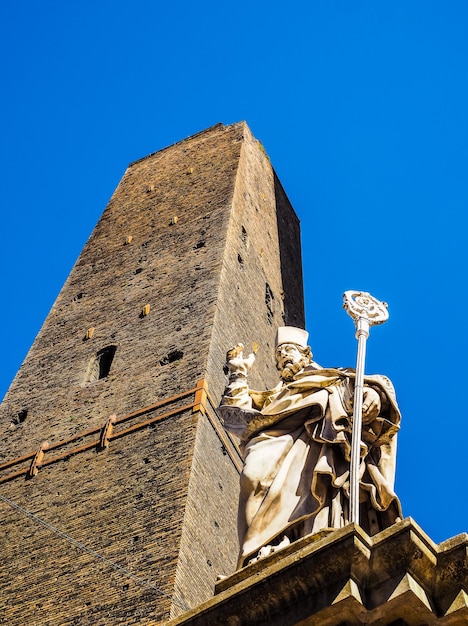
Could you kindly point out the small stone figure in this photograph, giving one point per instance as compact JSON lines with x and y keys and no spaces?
{"x":296,"y":442}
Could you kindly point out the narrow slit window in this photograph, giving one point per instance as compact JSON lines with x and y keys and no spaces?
{"x":99,"y":366}
{"x":269,"y":297}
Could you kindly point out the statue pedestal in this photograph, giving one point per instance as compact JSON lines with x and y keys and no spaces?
{"x":398,"y":576}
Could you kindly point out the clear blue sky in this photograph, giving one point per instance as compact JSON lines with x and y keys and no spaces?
{"x":362,"y":107}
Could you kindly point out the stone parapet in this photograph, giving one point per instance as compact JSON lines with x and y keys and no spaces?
{"x":399,"y":576}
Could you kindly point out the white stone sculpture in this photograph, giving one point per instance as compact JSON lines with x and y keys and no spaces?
{"x":296,"y":442}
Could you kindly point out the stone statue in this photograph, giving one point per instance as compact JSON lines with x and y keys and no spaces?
{"x":296,"y":442}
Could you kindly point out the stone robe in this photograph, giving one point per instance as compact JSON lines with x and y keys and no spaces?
{"x":296,"y":441}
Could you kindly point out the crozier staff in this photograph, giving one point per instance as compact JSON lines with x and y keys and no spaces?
{"x":296,"y":442}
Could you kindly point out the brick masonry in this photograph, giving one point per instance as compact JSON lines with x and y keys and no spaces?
{"x":202,"y":232}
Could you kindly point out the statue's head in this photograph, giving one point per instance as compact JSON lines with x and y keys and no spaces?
{"x":292,"y":352}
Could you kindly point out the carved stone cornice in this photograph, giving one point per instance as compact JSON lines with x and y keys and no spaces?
{"x":346,"y":577}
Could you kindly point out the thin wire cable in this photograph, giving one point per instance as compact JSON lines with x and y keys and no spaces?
{"x":55,"y":530}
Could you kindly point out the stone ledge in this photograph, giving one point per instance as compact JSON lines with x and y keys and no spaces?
{"x":345,"y":576}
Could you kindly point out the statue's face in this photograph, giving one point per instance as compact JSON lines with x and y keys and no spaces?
{"x":288,"y":354}
{"x":291,"y":359}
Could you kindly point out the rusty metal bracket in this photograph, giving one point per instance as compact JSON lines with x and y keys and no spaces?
{"x":107,"y":431}
{"x":200,"y":400}
{"x":37,"y":460}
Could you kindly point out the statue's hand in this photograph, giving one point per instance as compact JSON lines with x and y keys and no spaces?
{"x":370,"y":404}
{"x":236,"y":363}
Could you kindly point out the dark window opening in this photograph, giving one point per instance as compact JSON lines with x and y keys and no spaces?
{"x":244,"y":235}
{"x":200,"y":244}
{"x":99,"y":366}
{"x":240,"y":259}
{"x":105,"y":356}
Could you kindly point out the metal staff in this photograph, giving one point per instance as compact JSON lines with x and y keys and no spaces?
{"x":366,"y":311}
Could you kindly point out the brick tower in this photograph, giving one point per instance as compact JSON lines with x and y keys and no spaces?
{"x":128,"y":513}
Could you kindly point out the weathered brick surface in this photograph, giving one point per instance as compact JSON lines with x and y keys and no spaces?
{"x":208,"y":542}
{"x":161,"y":501}
{"x":127,"y":504}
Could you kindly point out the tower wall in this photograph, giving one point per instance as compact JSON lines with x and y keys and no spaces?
{"x":191,"y":231}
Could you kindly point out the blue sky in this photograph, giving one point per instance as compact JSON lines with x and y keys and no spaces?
{"x":362,"y":108}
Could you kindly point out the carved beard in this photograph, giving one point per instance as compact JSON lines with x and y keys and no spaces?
{"x":288,"y":373}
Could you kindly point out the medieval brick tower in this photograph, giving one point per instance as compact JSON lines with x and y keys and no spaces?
{"x":128,"y":513}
